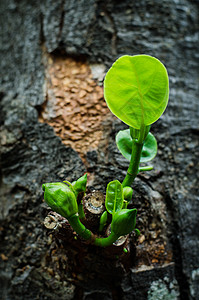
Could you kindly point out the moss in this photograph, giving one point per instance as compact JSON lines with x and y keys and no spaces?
{"x":160,"y":291}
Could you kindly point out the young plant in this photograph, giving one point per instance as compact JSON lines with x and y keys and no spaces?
{"x":136,"y":90}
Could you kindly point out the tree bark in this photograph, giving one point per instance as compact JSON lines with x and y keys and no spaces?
{"x":38,"y":41}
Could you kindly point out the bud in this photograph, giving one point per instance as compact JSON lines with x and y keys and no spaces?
{"x":128,"y":192}
{"x":124,"y":221}
{"x":60,"y":198}
{"x":80,"y":184}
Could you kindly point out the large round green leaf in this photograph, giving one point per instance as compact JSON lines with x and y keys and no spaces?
{"x":124,"y":143}
{"x":136,"y":89}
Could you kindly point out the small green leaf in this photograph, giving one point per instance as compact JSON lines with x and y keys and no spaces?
{"x":114,"y":197}
{"x":124,"y":144}
{"x":149,"y":149}
{"x":136,"y":89}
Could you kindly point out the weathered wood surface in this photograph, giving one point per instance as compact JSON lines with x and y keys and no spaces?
{"x":31,"y":153}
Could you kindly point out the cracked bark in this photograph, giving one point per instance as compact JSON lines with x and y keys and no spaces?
{"x":31,"y":153}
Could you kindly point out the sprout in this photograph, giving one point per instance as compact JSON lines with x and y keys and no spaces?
{"x":136,"y":89}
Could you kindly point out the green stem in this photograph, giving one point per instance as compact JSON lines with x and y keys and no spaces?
{"x":81,"y":211}
{"x":146,"y":168}
{"x":125,"y":204}
{"x":85,"y":233}
{"x":134,"y":164}
{"x":137,"y":146}
{"x":144,"y":130}
{"x":105,"y":242}
{"x":79,"y":228}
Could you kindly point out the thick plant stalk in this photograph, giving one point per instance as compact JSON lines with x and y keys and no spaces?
{"x":108,"y":241}
{"x":133,"y":169}
{"x":85,"y":233}
{"x":81,"y":211}
{"x":79,"y":227}
{"x":137,"y":146}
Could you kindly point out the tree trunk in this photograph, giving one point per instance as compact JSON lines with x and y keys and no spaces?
{"x":55,"y":126}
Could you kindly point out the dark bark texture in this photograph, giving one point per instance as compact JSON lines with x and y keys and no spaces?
{"x":33,"y":265}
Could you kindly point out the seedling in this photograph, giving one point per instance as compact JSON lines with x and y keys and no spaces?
{"x":136,"y":90}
